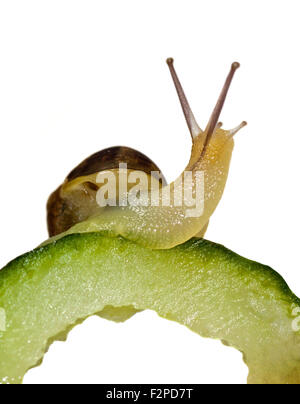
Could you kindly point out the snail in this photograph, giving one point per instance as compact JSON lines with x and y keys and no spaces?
{"x":73,"y":208}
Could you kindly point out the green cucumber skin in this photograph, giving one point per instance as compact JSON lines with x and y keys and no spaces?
{"x":199,"y":284}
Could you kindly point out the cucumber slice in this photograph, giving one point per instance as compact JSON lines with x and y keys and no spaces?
{"x":199,"y":284}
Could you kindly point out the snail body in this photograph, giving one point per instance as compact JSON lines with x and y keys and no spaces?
{"x":73,"y":207}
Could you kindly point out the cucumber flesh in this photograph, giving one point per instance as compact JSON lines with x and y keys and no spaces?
{"x":199,"y":284}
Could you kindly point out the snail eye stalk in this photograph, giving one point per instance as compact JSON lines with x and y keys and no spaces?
{"x":193,"y":126}
{"x":213,"y":121}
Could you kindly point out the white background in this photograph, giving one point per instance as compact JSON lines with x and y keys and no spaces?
{"x":79,"y":76}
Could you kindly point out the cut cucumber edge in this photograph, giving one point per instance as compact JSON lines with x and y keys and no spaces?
{"x":202,"y":285}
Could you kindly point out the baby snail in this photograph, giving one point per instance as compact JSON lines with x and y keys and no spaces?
{"x":167,"y":214}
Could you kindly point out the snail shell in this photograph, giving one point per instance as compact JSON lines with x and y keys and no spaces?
{"x":74,"y":201}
